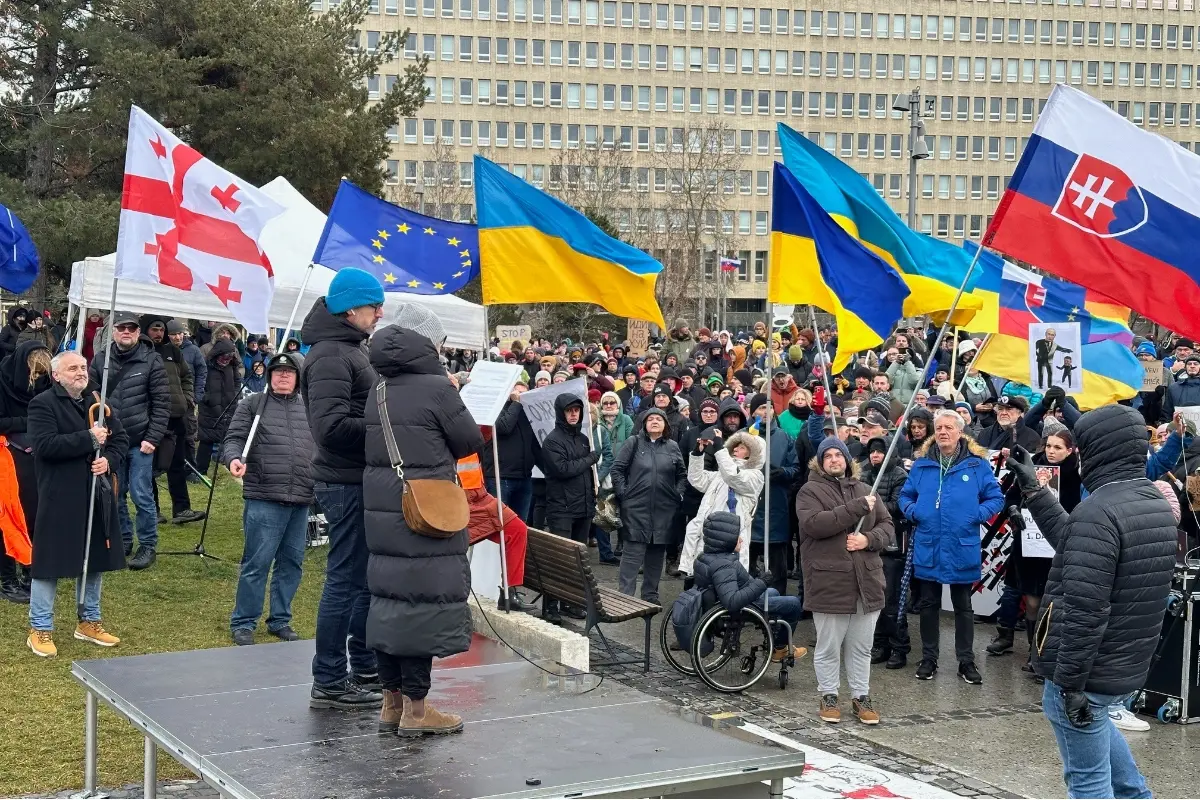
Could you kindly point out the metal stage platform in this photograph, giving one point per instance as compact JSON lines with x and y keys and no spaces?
{"x":238,"y":717}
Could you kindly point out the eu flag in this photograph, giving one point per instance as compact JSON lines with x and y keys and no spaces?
{"x":406,"y":251}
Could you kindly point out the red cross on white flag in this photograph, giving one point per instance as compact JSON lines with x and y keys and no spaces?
{"x":185,"y":222}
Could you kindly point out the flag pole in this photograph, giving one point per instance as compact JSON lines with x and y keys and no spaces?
{"x":826,"y":366}
{"x":937,"y":343}
{"x":504,"y":598}
{"x":953,"y":358}
{"x":966,"y":370}
{"x":769,"y":418}
{"x":282,"y":343}
{"x":106,"y":340}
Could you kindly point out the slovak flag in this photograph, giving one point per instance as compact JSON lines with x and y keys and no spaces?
{"x":187,"y":223}
{"x":1108,"y":206}
{"x":730,"y":264}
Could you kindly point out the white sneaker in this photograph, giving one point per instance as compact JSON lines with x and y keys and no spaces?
{"x":1126,"y":720}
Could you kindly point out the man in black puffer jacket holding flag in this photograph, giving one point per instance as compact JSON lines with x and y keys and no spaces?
{"x":1103,"y":608}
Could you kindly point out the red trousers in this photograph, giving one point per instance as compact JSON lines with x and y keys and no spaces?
{"x":516,"y":536}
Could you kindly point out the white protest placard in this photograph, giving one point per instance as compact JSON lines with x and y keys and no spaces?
{"x":539,"y":408}
{"x":1190,"y":413}
{"x":782,"y":315}
{"x":507,"y":334}
{"x":1033,"y":544}
{"x":491,"y":384}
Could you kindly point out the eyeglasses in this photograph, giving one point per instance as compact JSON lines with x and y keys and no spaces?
{"x":127,"y":327}
{"x":608,"y":403}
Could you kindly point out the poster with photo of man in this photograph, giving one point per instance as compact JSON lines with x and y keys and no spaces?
{"x":1055,"y":356}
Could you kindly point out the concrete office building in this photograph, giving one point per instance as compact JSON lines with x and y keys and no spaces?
{"x":528,"y":80}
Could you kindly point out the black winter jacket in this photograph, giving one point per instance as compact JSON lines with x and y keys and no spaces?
{"x":279,"y":465}
{"x":11,"y":332}
{"x":1114,"y":555}
{"x":336,"y":380}
{"x":142,"y":399}
{"x":419,"y":585}
{"x":517,"y":444}
{"x":1182,"y":393}
{"x":893,"y":480}
{"x":567,"y":461}
{"x":719,"y":567}
{"x":220,"y":394}
{"x":995,"y":437}
{"x":180,"y":380}
{"x":648,"y":480}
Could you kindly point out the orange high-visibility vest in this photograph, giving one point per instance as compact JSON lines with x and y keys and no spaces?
{"x":470,"y":472}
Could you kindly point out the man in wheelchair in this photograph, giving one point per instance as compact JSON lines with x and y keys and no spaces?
{"x":720,"y":570}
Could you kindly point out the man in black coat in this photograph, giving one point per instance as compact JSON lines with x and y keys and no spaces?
{"x":891,"y":643}
{"x":1103,"y":608}
{"x":64,"y":449}
{"x":221,"y":392}
{"x":140,"y":396}
{"x":1186,"y":389}
{"x":567,"y":461}
{"x":336,"y":381}
{"x":171,"y":456}
{"x":519,"y":452}
{"x":17,"y":321}
{"x":1010,"y":426}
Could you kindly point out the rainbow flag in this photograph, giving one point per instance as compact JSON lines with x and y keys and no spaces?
{"x":1015,"y":298}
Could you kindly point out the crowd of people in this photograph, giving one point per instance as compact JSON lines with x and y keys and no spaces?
{"x":879,"y":480}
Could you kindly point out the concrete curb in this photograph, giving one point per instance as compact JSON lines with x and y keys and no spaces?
{"x":533,"y":636}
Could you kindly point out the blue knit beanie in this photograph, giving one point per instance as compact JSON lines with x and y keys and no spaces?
{"x":351,"y":288}
{"x":831,"y":443}
{"x":1146,"y":348}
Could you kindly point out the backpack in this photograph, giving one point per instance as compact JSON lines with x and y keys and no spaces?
{"x":686,"y":612}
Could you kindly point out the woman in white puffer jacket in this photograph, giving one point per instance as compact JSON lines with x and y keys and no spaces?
{"x":735,"y":486}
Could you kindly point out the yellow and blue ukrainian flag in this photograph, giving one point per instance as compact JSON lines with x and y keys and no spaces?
{"x":933,"y":270}
{"x":536,"y":249}
{"x":814,"y":260}
{"x":407,"y":252}
{"x":1014,"y":298}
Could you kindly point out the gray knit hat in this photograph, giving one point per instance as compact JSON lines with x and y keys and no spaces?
{"x":832,"y":443}
{"x":1052,"y":425}
{"x":420,"y":319}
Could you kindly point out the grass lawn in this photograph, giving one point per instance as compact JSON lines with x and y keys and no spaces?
{"x":181,"y":603}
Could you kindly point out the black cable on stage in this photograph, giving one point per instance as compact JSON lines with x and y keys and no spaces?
{"x":539,"y":666}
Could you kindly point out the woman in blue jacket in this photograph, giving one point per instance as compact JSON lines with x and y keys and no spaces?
{"x":951,"y":490}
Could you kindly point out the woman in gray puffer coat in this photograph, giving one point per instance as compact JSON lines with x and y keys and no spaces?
{"x":419,"y":585}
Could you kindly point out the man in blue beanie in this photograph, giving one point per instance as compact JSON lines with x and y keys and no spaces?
{"x":335,"y":383}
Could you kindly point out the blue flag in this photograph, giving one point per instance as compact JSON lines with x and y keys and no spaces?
{"x":406,"y":251}
{"x":18,"y":255}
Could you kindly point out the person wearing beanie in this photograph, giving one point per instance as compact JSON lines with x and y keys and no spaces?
{"x":541,"y":379}
{"x":335,"y":384}
{"x":618,"y":424}
{"x":1185,"y":391}
{"x":1182,"y":348}
{"x":951,"y":490}
{"x":562,"y":376}
{"x":891,"y":642}
{"x":842,"y":524}
{"x":176,"y":450}
{"x":798,"y":365}
{"x":663,"y":399}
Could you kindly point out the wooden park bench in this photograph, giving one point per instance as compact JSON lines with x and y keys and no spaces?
{"x":558,"y":568}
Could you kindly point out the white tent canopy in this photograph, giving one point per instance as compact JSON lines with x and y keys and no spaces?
{"x":289,"y":241}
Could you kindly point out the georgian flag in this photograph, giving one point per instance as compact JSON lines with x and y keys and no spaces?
{"x":188,"y":224}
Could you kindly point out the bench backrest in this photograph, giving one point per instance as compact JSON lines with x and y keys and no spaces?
{"x":559,"y":567}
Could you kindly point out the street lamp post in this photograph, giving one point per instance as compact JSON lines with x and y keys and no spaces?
{"x":917,"y":149}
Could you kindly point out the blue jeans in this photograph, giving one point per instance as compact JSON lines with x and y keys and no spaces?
{"x":516,"y":493}
{"x":345,"y":599}
{"x":783,"y":608}
{"x":603,"y":543}
{"x":137,"y":479}
{"x":275,"y":532}
{"x":1096,"y":759}
{"x":41,"y":601}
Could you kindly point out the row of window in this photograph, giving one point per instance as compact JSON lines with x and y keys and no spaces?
{"x":628,"y":97}
{"x":785,"y":21}
{"x":813,"y":63}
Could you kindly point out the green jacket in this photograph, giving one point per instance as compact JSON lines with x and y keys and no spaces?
{"x":620,"y":429}
{"x":791,"y":425}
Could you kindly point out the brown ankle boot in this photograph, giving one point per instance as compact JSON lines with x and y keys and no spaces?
{"x":395,"y":705}
{"x":433,"y":723}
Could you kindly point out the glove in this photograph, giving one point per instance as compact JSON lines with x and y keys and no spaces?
{"x":1054,"y":398}
{"x":778,"y":474}
{"x":596,"y":456}
{"x":767,"y":577}
{"x":1079,"y":710}
{"x":1020,"y":464}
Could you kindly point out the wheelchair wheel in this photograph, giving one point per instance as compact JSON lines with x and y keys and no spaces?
{"x":741,"y":649}
{"x":681,"y":660}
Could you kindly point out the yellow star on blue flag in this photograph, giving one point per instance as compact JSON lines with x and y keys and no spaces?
{"x":357,"y":234}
